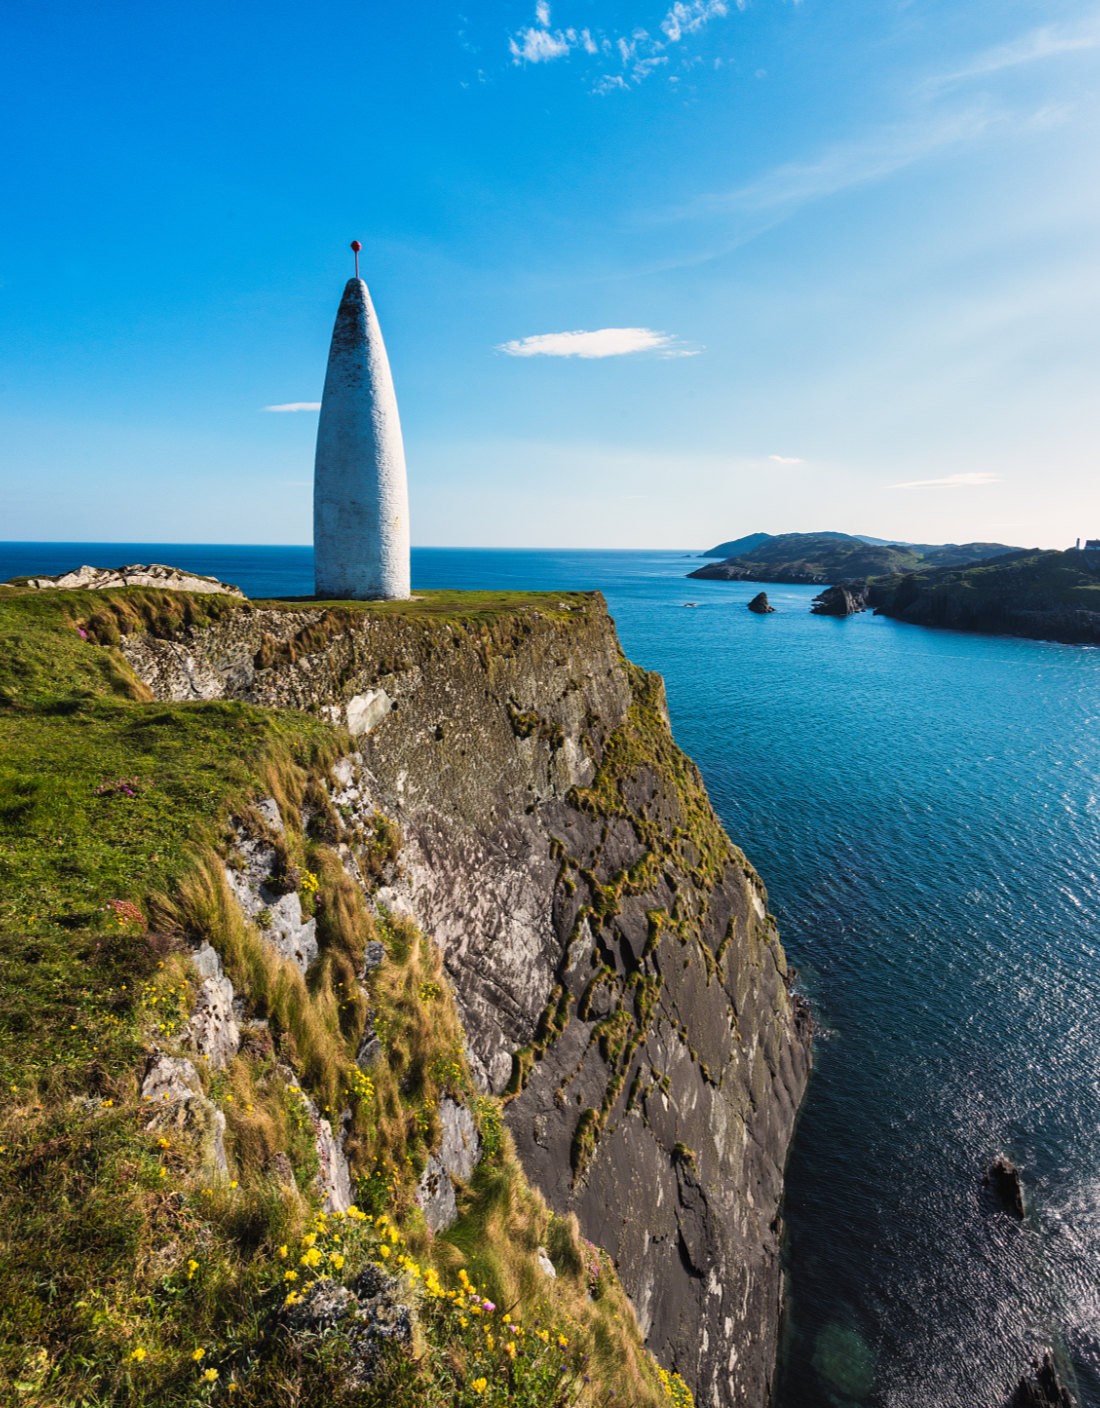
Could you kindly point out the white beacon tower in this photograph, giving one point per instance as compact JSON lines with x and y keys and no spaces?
{"x":360,"y":491}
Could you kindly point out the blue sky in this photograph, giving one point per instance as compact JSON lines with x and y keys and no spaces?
{"x":833,"y":250}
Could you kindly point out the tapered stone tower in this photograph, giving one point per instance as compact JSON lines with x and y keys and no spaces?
{"x":360,"y":493}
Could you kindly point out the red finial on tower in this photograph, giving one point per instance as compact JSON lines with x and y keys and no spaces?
{"x":356,"y":246}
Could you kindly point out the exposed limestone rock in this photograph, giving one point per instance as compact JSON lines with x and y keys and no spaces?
{"x":256,"y":885}
{"x":333,"y":1175}
{"x":454,"y":1162}
{"x":212,"y":1030}
{"x":610,"y":950}
{"x":175,"y":1099}
{"x":760,"y":604}
{"x":99,"y":579}
{"x":546,"y":1266}
{"x":363,"y":712}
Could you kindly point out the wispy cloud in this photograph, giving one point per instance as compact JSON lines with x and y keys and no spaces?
{"x":296,"y":406}
{"x":638,"y":52}
{"x":1047,"y":42}
{"x":539,"y":44}
{"x":848,"y":164}
{"x":950,"y":481}
{"x":602,"y":342}
{"x":785,"y":459}
{"x":690,"y":18}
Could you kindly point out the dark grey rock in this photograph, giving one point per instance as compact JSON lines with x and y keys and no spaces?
{"x":844,"y":599}
{"x":760,"y":604}
{"x":374,"y":955}
{"x":369,"y":1316}
{"x":1002,"y":1178}
{"x":1041,"y":1386}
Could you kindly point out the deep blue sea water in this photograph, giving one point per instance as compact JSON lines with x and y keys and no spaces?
{"x":925,"y":809}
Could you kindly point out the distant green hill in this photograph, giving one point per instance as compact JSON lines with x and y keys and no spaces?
{"x":826,"y":558}
{"x":737,"y":545}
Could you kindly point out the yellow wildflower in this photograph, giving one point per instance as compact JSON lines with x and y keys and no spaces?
{"x":192,"y":1267}
{"x":338,"y":1261}
{"x":310,"y":1258}
{"x":283,"y":1252}
{"x":309,"y":1239}
{"x":138,"y":1354}
{"x":199,"y":1354}
{"x":384,"y":1251}
{"x":210,"y":1375}
{"x":232,"y":1183}
{"x":480,"y":1385}
{"x":290,"y":1276}
{"x":510,"y":1349}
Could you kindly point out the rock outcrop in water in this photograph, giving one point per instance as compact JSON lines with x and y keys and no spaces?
{"x":611,"y":951}
{"x":845,"y":599}
{"x":1002,"y":1178}
{"x":761,"y":605}
{"x":1041,"y":1387}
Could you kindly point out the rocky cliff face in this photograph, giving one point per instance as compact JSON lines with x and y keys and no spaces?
{"x":1040,"y":595}
{"x":611,"y":951}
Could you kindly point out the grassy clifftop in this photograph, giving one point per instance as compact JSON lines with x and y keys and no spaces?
{"x":133,"y":1269}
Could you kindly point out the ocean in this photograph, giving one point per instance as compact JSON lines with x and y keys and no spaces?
{"x":924,"y":807}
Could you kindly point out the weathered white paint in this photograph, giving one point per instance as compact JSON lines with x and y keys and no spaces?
{"x":360,"y":493}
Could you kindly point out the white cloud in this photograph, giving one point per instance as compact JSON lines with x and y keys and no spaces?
{"x":785,"y":459}
{"x":639,"y":52}
{"x":602,"y":342}
{"x":1047,"y":42}
{"x":950,"y":481}
{"x":690,"y":18}
{"x":296,"y":406}
{"x":538,"y":46}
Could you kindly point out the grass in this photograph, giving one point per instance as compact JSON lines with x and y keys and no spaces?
{"x":131,"y":1271}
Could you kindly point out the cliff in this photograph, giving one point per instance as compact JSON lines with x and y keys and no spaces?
{"x":1041,"y":595}
{"x":491,"y":769}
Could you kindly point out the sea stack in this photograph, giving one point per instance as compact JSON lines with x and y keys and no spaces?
{"x":360,"y":492}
